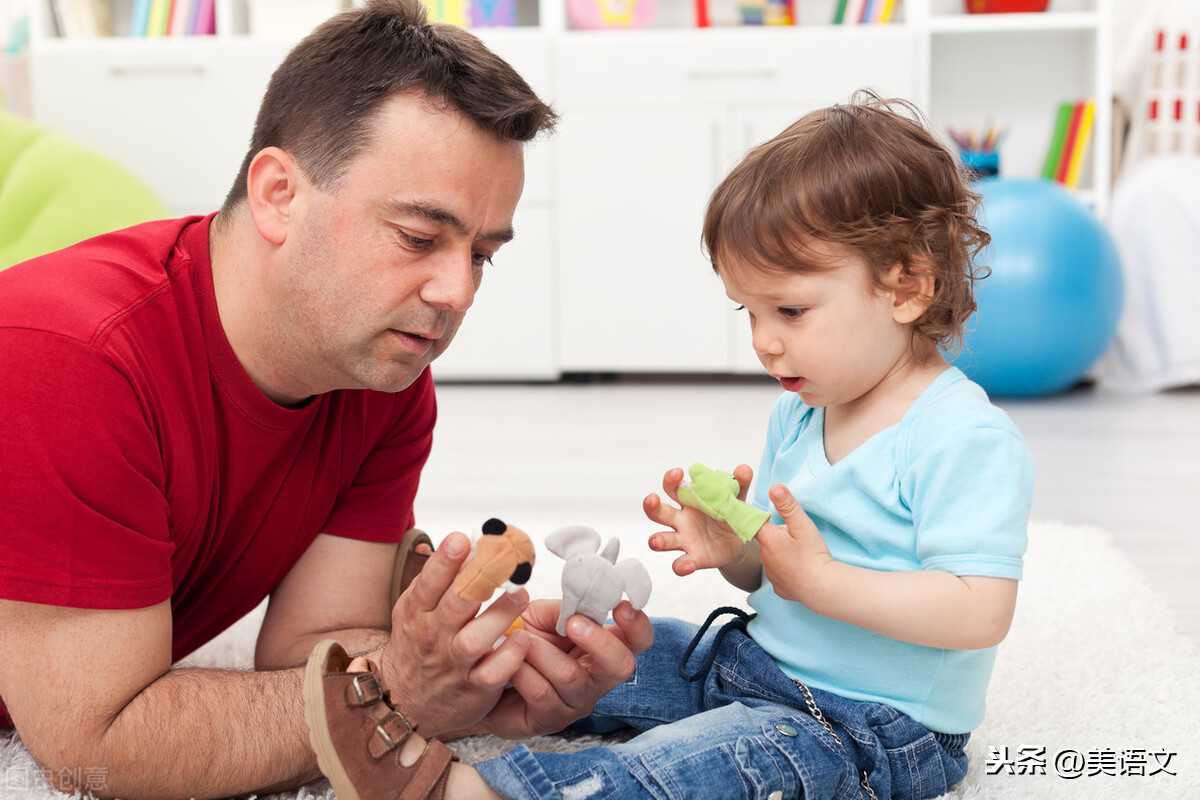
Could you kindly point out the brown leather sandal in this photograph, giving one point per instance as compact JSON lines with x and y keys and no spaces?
{"x":408,"y":562}
{"x":357,"y":734}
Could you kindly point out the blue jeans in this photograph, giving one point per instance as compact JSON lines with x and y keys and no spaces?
{"x":741,"y":729}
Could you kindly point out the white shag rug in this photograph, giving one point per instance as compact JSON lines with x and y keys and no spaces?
{"x":1094,"y":695}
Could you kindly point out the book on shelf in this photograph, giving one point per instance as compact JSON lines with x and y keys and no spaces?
{"x":173,"y":18}
{"x":863,"y":12}
{"x":181,"y":16}
{"x":83,"y":18}
{"x":1069,"y":141}
{"x":160,"y":13}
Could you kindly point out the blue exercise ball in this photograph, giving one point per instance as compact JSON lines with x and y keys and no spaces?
{"x":1050,"y":307}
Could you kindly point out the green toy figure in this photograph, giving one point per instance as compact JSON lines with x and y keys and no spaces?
{"x":715,"y":492}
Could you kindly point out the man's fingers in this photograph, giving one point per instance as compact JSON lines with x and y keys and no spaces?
{"x":635,"y":627}
{"x":480,"y":634}
{"x":495,"y":670}
{"x":435,"y":578}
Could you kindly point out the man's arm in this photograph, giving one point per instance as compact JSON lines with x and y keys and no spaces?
{"x":337,"y":590}
{"x":95,"y":689}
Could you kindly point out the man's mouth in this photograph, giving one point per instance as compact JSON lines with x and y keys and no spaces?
{"x":416,"y":343}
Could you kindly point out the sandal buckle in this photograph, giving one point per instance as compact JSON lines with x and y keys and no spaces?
{"x":387,"y":725}
{"x":366,"y":689}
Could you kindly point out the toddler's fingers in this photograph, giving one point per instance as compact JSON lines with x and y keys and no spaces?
{"x":672,"y":480}
{"x":744,"y":476}
{"x":683,"y":566}
{"x":654,"y":509}
{"x":784,"y":503}
{"x":663,"y":541}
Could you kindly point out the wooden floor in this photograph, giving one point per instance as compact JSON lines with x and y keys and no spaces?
{"x":589,"y":452}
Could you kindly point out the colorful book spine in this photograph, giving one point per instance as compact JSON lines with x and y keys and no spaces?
{"x":160,"y":13}
{"x":1069,"y":143}
{"x":839,"y":13}
{"x":1062,"y":119}
{"x":854,"y":12}
{"x":181,"y":17}
{"x":140,"y":20}
{"x":1082,"y":138}
{"x":204,"y":21}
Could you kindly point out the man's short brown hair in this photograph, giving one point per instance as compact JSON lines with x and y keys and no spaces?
{"x":868,"y":176}
{"x":322,"y":99}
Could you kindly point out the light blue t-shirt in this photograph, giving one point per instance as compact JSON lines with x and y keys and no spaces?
{"x":947,"y":488}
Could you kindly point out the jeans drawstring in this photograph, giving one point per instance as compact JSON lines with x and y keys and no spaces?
{"x":742,"y":619}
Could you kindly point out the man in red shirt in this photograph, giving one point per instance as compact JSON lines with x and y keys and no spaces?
{"x":200,"y":413}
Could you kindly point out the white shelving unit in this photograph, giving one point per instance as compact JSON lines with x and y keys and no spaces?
{"x":1013,"y":70}
{"x":606,"y":273}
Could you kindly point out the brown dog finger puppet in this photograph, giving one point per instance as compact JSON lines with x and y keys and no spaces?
{"x":593,"y":580}
{"x":502,"y":558}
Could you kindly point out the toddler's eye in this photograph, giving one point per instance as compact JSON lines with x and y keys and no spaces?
{"x":792,"y":313}
{"x":740,"y":308}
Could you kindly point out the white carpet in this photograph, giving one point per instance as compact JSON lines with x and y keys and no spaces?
{"x":1094,"y":665}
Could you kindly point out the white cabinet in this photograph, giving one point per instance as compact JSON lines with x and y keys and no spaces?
{"x":652,"y":121}
{"x":634,"y":291}
{"x":178,"y":114}
{"x":509,"y":333}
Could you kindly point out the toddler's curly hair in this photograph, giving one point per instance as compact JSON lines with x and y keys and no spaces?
{"x":867,"y":175}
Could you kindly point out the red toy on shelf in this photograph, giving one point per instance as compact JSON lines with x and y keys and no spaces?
{"x":1006,"y":6}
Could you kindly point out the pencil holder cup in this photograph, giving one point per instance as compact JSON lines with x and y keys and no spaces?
{"x":980,"y":163}
{"x":1006,"y":6}
{"x":595,"y":14}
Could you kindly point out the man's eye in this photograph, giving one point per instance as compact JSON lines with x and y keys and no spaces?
{"x":415,"y":241}
{"x":481,"y":258}
{"x":740,"y":308}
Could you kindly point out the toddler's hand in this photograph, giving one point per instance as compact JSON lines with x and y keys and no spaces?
{"x":705,"y":542}
{"x":794,"y":552}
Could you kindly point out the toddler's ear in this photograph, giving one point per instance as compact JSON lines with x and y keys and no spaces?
{"x":911,"y":292}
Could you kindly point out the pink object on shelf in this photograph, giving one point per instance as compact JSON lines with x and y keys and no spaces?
{"x":594,"y":14}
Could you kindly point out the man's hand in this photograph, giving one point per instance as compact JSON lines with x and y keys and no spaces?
{"x":563,"y":677}
{"x":440,"y":665}
{"x":705,"y":542}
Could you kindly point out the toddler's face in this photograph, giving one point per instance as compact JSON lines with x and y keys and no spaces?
{"x":829,"y":334}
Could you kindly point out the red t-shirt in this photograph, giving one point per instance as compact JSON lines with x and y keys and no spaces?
{"x":139,"y":462}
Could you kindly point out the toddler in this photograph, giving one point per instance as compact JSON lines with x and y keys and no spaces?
{"x":888,"y":573}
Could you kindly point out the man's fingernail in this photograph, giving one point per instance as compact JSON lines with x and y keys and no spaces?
{"x":580,"y":627}
{"x":455,"y":546}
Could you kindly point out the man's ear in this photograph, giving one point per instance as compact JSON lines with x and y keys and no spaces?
{"x":271,"y":185}
{"x":910,"y":291}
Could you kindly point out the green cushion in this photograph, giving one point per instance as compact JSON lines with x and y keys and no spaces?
{"x":55,"y":192}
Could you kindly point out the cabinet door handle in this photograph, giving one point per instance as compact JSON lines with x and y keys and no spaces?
{"x":138,"y":70}
{"x":764,"y":74}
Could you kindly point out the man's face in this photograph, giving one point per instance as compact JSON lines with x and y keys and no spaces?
{"x":385,"y":265}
